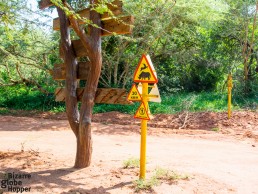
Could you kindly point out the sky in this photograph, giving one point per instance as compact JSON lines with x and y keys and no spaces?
{"x":47,"y":20}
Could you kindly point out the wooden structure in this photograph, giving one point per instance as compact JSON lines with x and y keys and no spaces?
{"x":123,"y":25}
{"x":103,"y":95}
{"x":73,"y":70}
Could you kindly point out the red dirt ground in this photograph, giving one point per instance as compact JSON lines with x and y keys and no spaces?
{"x":219,"y":155}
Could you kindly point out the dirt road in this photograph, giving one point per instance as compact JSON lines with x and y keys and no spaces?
{"x":45,"y":148}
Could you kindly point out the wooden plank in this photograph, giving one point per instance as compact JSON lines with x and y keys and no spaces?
{"x":59,"y":72}
{"x":103,"y":95}
{"x":116,"y":9}
{"x":78,"y":47}
{"x":111,"y":96}
{"x":60,"y":94}
{"x":112,"y":26}
{"x":45,"y":4}
{"x":121,"y":25}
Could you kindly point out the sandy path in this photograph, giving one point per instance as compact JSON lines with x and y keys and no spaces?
{"x":215,"y":165}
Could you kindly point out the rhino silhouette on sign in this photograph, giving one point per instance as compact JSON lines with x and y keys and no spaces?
{"x":143,"y":75}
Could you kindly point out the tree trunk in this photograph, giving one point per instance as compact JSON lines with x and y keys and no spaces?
{"x":84,"y":146}
{"x":81,"y":123}
{"x":84,"y":141}
{"x":71,"y":73}
{"x":115,"y":74}
{"x":250,"y":67}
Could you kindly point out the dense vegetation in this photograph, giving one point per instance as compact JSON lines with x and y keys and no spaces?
{"x":193,"y":44}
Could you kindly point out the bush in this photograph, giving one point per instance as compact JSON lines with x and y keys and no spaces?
{"x":25,"y":98}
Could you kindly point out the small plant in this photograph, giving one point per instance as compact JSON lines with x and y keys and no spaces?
{"x":160,"y":174}
{"x":58,"y":109}
{"x":145,"y":184}
{"x":215,"y":129}
{"x":169,"y":175}
{"x":131,"y":163}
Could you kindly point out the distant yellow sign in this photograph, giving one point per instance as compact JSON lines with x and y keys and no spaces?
{"x":145,"y":71}
{"x":142,"y":113}
{"x":134,"y":94}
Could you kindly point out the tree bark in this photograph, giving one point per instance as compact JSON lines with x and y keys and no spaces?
{"x":71,"y":75}
{"x":81,"y":122}
{"x":84,"y":142}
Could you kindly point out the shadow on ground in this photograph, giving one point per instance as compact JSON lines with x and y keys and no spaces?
{"x":99,"y":190}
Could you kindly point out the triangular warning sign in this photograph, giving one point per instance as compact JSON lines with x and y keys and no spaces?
{"x":142,"y":113}
{"x":154,"y":95}
{"x":145,"y":71}
{"x":134,"y":94}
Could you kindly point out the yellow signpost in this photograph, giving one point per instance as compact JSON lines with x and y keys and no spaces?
{"x":143,"y":133}
{"x":230,"y":86}
{"x":144,"y":74}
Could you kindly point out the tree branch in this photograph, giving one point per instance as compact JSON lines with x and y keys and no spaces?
{"x":71,"y":75}
{"x":28,"y":81}
{"x":86,"y":40}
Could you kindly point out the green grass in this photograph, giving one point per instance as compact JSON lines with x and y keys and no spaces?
{"x":216,"y":129}
{"x":131,"y":163}
{"x":194,"y":102}
{"x":169,"y":175}
{"x":24,"y":98}
{"x":146,"y":184}
{"x":160,"y":175}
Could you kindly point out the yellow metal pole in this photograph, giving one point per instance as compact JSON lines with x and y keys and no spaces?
{"x":230,"y":85}
{"x":229,"y":102}
{"x":143,"y":132}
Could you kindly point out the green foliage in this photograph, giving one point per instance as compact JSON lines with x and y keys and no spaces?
{"x":159,"y":175}
{"x":169,"y":175}
{"x":131,"y":163}
{"x":100,"y":108}
{"x":171,"y":104}
{"x":246,"y":100}
{"x":201,"y":102}
{"x":193,"y":44}
{"x":148,"y":184}
{"x":216,"y":129}
{"x":27,"y":50}
{"x":22,"y":97}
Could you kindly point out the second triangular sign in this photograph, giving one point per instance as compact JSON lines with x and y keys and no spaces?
{"x":134,"y":94}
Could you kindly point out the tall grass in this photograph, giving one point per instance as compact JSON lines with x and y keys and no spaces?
{"x":24,"y":98}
